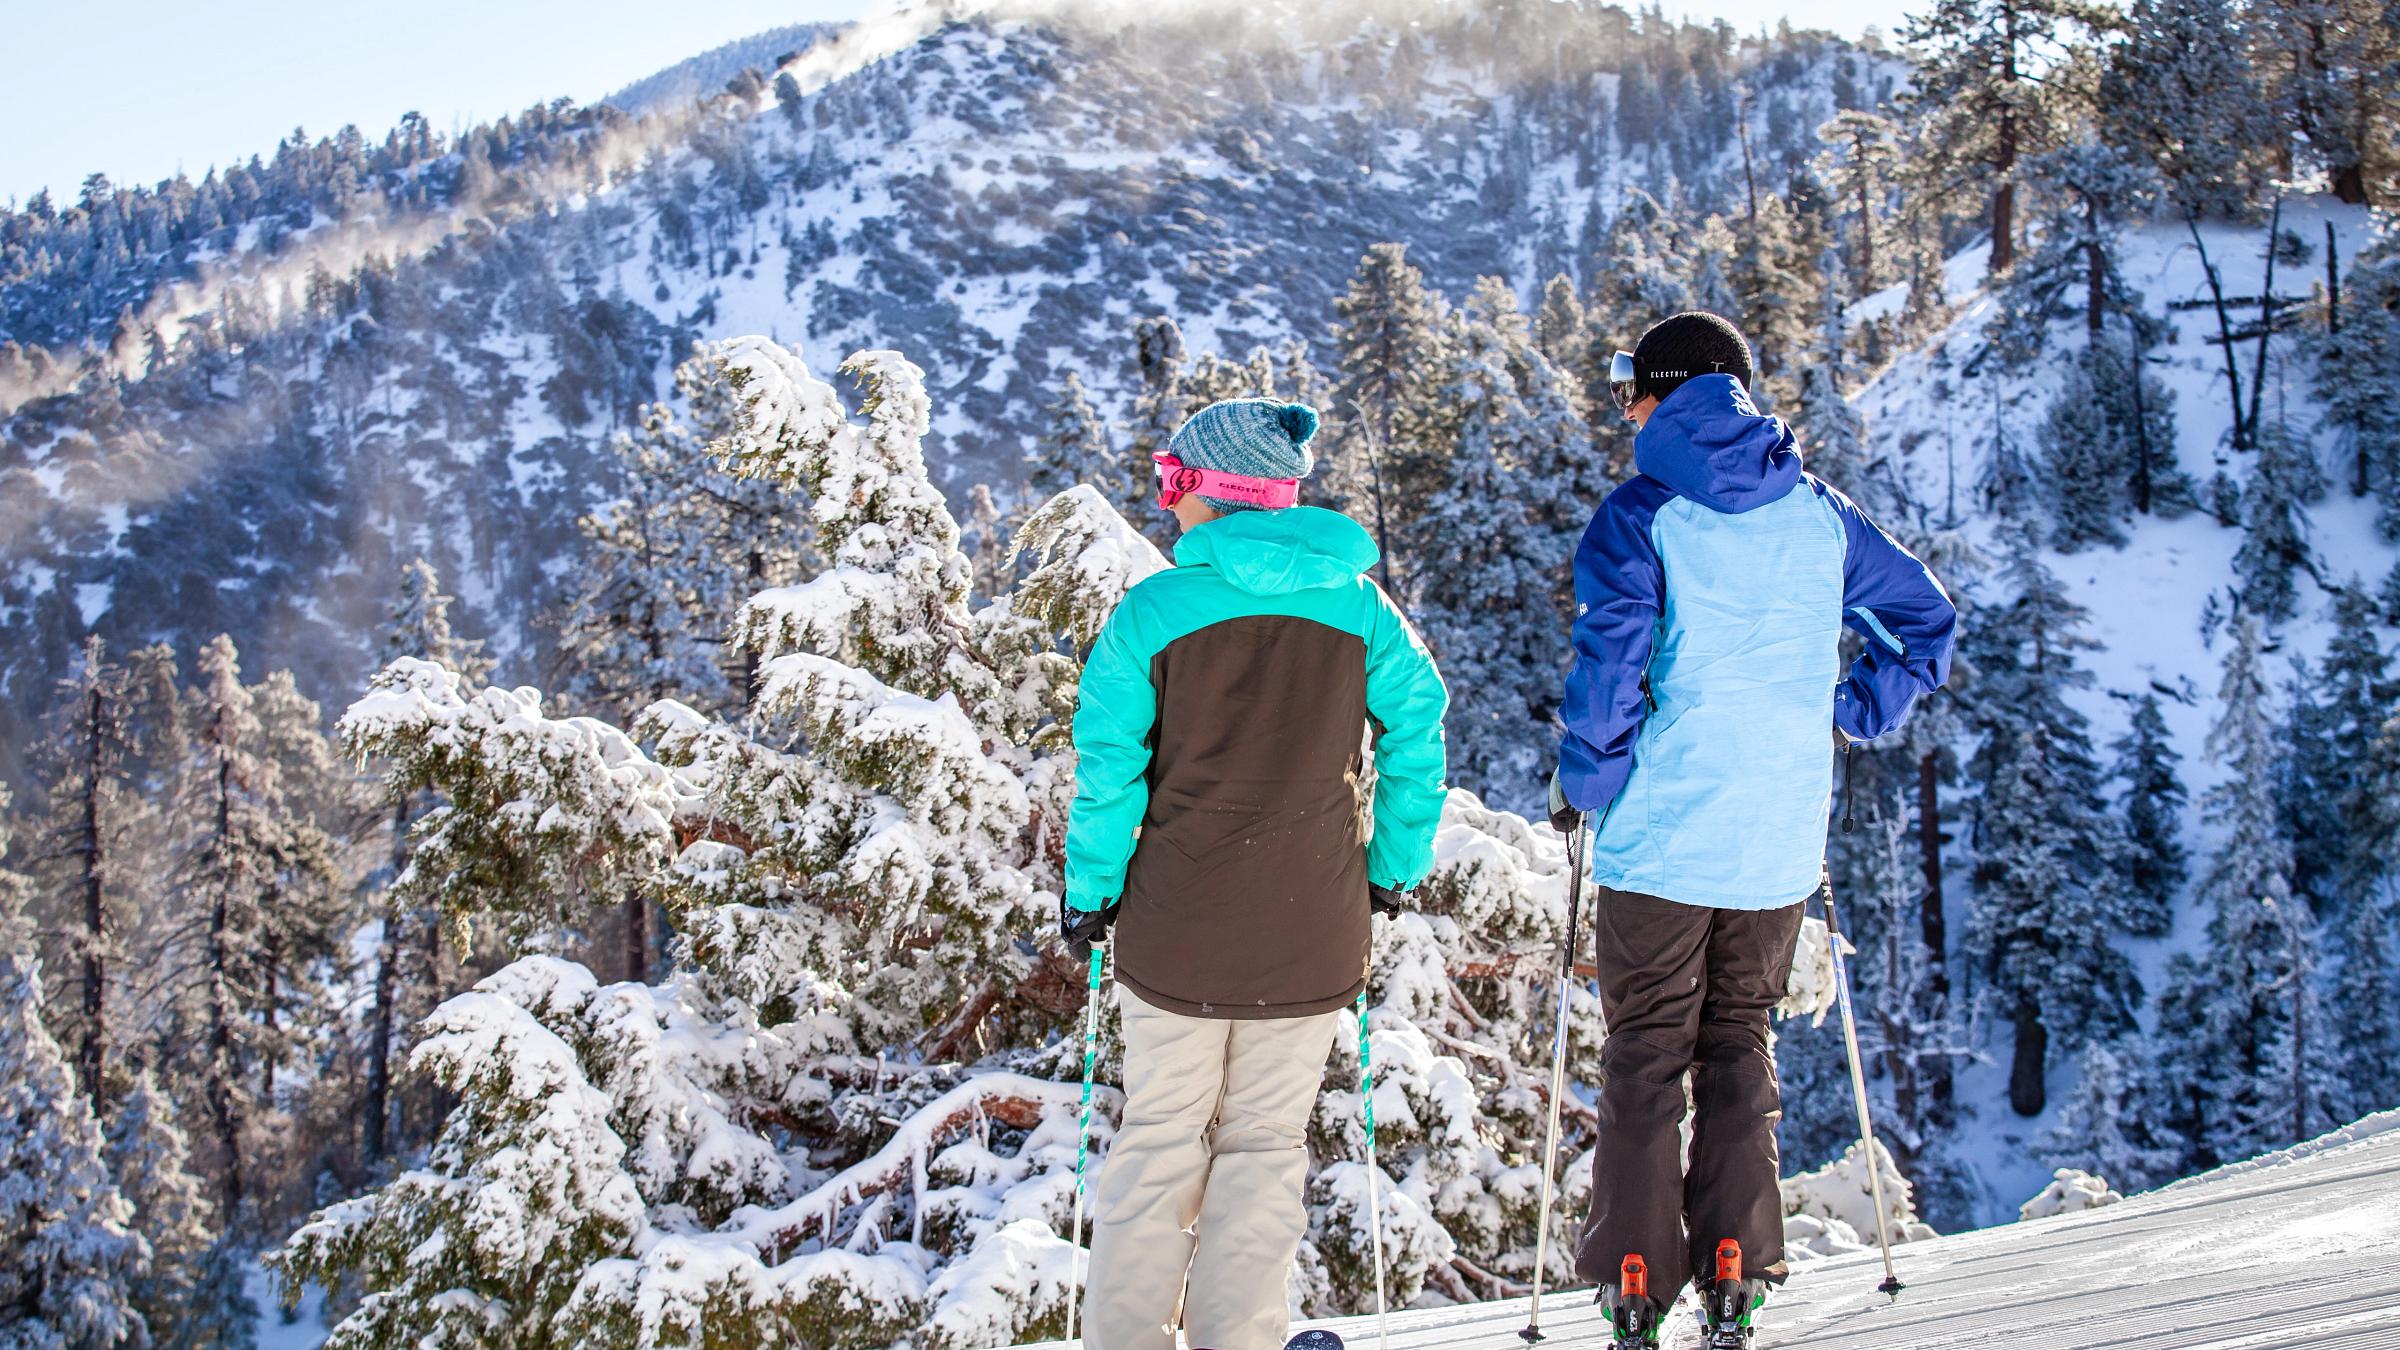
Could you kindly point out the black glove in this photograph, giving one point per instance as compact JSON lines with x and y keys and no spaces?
{"x":1083,"y":927}
{"x":1563,"y":818}
{"x":1385,"y":900}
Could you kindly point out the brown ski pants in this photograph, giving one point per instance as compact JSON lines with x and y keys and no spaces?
{"x":1687,"y":989}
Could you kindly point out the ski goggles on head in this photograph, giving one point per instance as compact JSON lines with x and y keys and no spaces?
{"x":1623,"y":389}
{"x":1176,"y":480}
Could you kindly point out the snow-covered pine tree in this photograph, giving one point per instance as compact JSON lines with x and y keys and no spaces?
{"x":17,"y":926}
{"x":2365,"y":1004}
{"x":1709,"y":259}
{"x":638,"y":625}
{"x":1995,"y":84}
{"x":2322,"y":63}
{"x":1773,"y":276}
{"x":1564,"y":333}
{"x":408,"y":947}
{"x":752,"y":534}
{"x":2243,"y":1041}
{"x":1909,"y":1033}
{"x":1214,"y":378}
{"x":1158,"y":409}
{"x":2180,"y":91}
{"x":245,"y":848}
{"x":2284,"y":479}
{"x":2049,"y":882}
{"x":1833,"y":435}
{"x":1924,"y":759}
{"x":2151,"y":800}
{"x":85,"y":782}
{"x":307,"y":919}
{"x":1491,"y":610}
{"x":666,"y":565}
{"x":161,"y":725}
{"x":1561,"y":332}
{"x":1300,"y":381}
{"x":1565,"y":476}
{"x":2356,"y":358}
{"x":1924,"y":265}
{"x":183,"y":1293}
{"x":2105,"y":1123}
{"x":847,"y":1116}
{"x":2082,"y":469}
{"x":1641,"y":278}
{"x":1388,"y":333}
{"x":986,"y":546}
{"x":2331,"y":799}
{"x":2081,"y":195}
{"x":1860,"y":163}
{"x":2098,"y":435}
{"x":66,"y":1249}
{"x":1073,"y":448}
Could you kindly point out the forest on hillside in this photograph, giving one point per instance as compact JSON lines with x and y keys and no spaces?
{"x":546,"y":743}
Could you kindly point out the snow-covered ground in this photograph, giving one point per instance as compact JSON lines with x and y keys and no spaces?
{"x":2296,"y":1249}
{"x":304,"y":1329}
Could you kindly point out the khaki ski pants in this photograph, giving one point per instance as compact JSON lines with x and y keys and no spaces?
{"x":1199,"y":1201}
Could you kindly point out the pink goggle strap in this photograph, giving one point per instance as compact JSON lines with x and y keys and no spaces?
{"x":1176,"y":479}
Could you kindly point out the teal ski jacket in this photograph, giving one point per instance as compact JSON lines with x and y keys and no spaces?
{"x":1219,"y":735}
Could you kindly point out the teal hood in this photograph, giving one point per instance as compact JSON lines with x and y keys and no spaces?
{"x":1299,"y":548}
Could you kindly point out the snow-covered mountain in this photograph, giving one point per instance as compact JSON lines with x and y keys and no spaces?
{"x":702,"y":76}
{"x":240,"y":405}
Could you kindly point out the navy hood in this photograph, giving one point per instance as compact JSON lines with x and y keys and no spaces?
{"x":1710,"y":443}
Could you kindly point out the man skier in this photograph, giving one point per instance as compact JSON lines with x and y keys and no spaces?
{"x":1222,"y":715}
{"x":1700,"y":716}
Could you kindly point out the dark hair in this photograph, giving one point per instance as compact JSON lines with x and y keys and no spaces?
{"x":1694,"y":342}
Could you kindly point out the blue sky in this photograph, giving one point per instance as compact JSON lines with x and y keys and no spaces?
{"x":139,"y":88}
{"x":136,"y":88}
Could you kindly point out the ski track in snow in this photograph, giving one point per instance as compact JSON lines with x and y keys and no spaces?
{"x":2297,"y":1249}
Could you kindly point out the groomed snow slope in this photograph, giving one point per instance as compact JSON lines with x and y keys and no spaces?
{"x":2296,"y":1249}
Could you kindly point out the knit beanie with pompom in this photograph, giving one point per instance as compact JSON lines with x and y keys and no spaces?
{"x":1254,"y":437}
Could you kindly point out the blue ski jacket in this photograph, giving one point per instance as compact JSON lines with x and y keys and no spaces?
{"x":1711,"y":590}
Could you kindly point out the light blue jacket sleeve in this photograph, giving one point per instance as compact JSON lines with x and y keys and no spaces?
{"x":1115,"y":710}
{"x":1620,"y":590}
{"x":1407,"y":700}
{"x":1894,"y":602}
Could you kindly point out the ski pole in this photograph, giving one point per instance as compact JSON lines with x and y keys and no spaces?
{"x":1366,"y":1077}
{"x":1083,"y":1133}
{"x":1891,"y":1286}
{"x":1558,"y":1075}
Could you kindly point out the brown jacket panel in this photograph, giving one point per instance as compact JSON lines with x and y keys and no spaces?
{"x":1247,"y":893}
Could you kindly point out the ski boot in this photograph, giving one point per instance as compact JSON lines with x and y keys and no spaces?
{"x":1633,"y":1319}
{"x":1729,"y":1304}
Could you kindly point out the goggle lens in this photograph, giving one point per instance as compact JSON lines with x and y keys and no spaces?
{"x":1621,"y":389}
